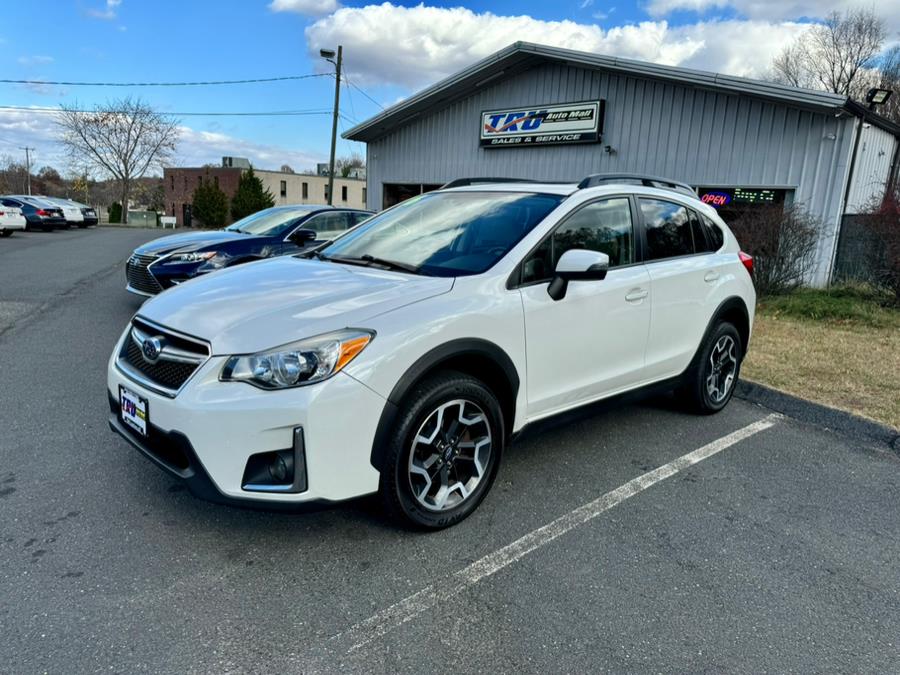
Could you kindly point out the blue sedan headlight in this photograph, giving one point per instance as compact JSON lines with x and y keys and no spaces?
{"x":195,"y":256}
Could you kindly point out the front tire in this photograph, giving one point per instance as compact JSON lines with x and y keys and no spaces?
{"x":444,"y":452}
{"x":710,"y":381}
{"x":6,"y":233}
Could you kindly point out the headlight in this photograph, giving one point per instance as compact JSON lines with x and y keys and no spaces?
{"x":190,"y":257}
{"x":305,"y":362}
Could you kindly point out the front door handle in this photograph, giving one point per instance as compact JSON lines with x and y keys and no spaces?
{"x":711,"y":277}
{"x":636,"y":294}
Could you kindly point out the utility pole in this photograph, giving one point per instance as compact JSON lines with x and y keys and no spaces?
{"x":28,"y":167}
{"x":334,"y":121}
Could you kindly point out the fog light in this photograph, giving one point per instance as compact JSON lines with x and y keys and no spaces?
{"x":278,"y":469}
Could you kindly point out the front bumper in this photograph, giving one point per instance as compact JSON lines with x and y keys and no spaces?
{"x":215,"y":427}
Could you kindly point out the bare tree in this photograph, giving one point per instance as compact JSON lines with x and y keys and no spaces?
{"x":344,"y":166}
{"x":123,"y":139}
{"x":831,"y":55}
{"x":889,"y":72}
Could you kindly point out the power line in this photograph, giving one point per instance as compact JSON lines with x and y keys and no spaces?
{"x":190,"y":113}
{"x":361,"y":91}
{"x":166,"y":84}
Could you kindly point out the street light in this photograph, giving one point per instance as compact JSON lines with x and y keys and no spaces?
{"x":329,"y":55}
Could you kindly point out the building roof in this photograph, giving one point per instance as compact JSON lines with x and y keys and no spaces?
{"x":521,"y":56}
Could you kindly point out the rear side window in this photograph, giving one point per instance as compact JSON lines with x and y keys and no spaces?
{"x":668,"y":227}
{"x":713,"y":233}
{"x":698,"y":231}
{"x":603,"y":226}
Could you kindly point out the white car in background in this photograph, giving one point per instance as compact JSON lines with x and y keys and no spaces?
{"x":11,"y":219}
{"x":404,"y":356}
{"x":71,"y":211}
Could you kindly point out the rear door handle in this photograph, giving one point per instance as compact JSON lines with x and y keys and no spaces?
{"x":636,"y":294}
{"x":711,"y":277}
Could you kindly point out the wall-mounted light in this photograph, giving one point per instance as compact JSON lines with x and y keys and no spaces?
{"x":876,"y":96}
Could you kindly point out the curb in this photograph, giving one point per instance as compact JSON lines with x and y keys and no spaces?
{"x":840,"y":421}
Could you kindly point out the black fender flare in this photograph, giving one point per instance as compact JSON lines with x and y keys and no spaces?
{"x":731,"y":306}
{"x":428,"y":362}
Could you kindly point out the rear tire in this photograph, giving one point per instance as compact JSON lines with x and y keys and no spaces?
{"x":711,"y":378}
{"x":444,"y":452}
{"x":6,"y":233}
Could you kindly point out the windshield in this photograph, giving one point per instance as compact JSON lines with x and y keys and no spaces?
{"x":269,"y":222}
{"x":446,"y":233}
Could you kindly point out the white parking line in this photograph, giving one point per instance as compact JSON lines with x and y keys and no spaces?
{"x":377,"y":625}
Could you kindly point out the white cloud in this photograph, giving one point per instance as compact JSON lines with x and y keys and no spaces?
{"x":38,"y":130}
{"x":585,"y":4}
{"x":415,"y":46}
{"x":778,"y":10}
{"x":109,"y":11}
{"x":36,"y":60}
{"x":307,"y":7}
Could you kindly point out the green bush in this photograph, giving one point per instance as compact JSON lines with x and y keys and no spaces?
{"x":115,"y":212}
{"x":250,"y":197}
{"x":210,"y":205}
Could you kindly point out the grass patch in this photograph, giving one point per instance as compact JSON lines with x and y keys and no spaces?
{"x":853,"y":304}
{"x":839,"y":347}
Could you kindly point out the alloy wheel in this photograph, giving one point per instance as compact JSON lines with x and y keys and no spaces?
{"x":723,"y":366}
{"x":450,"y":455}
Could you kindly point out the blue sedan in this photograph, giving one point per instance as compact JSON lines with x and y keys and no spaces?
{"x":281,"y":230}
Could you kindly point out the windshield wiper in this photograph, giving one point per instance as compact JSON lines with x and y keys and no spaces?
{"x":369,"y":260}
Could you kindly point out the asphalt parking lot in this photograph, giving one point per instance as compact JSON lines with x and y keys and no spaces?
{"x":626,"y":538}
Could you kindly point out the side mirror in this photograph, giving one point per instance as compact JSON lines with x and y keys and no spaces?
{"x":577,"y":265}
{"x":302,"y":237}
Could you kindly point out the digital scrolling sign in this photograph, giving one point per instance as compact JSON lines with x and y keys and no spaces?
{"x":542,"y":125}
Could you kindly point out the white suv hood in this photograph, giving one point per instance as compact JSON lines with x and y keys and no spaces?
{"x":266,"y":304}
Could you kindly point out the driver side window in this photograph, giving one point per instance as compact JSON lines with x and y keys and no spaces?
{"x":603,"y":226}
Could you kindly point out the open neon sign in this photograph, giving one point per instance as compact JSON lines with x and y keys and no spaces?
{"x":716,"y":199}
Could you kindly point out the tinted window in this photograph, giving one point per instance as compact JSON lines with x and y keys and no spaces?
{"x":713,"y":234}
{"x":603,"y":226}
{"x":698,"y":232}
{"x":448,"y":233}
{"x":668,"y":229}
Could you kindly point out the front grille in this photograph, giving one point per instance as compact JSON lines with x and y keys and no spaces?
{"x":178,"y":358}
{"x":139,"y":276}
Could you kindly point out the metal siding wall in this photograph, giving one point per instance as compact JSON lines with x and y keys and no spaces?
{"x":698,"y":136}
{"x":873,"y":168}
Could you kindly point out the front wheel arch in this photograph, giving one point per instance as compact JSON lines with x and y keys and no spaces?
{"x":481,"y":359}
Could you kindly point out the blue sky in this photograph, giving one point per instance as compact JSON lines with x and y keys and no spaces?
{"x":391,"y":49}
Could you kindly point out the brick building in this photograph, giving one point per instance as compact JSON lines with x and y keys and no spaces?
{"x":286,"y":188}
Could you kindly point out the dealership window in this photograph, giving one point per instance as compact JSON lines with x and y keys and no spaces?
{"x":668,"y":228}
{"x":172,"y":179}
{"x":305,"y":190}
{"x":325,"y":190}
{"x":603,"y":226}
{"x":343,"y":193}
{"x":736,"y":203}
{"x":284,"y":188}
{"x":394,"y":193}
{"x":216,"y":180}
{"x":199,"y":180}
{"x":364,"y":196}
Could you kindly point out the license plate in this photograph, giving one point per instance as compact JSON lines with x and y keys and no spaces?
{"x":135,"y":412}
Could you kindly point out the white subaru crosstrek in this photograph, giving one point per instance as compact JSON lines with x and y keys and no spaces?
{"x":404,"y":356}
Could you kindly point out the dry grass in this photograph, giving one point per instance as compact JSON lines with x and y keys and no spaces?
{"x":852,"y":364}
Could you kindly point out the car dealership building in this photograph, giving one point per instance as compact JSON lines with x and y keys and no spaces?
{"x":544,"y":113}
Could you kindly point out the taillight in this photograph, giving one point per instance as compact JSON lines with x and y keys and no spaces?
{"x":746,"y":261}
{"x":42,"y":212}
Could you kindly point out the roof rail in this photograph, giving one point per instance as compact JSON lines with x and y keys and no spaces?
{"x":463,"y":182}
{"x":637,"y":179}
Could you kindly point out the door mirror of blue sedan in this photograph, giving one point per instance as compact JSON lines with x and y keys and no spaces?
{"x":302,"y":236}
{"x":577,"y":265}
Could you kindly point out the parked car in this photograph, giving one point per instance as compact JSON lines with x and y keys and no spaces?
{"x":71,"y":211}
{"x":11,"y":219}
{"x":403,"y":357}
{"x":76,"y":213}
{"x":168,"y":261}
{"x":39,"y":214}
